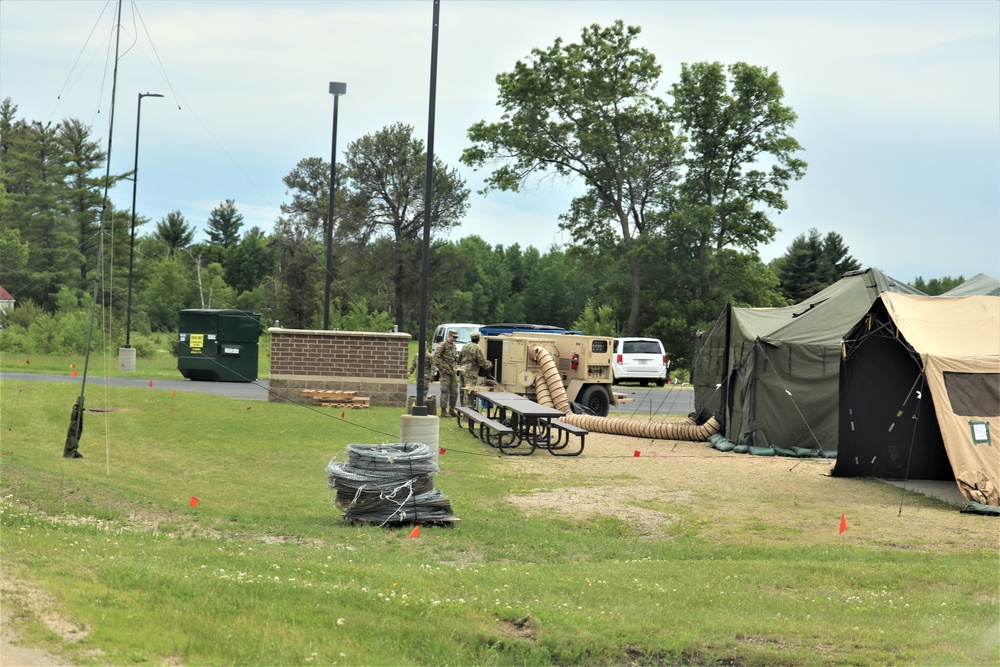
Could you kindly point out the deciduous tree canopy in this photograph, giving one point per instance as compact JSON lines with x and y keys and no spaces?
{"x":587,"y":111}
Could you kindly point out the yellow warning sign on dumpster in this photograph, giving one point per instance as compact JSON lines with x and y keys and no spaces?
{"x":197,"y":343}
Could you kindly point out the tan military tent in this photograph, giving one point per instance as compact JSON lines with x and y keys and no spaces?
{"x":920,"y":393}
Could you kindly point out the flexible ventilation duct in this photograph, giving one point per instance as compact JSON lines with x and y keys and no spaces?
{"x":549,"y":391}
{"x":549,"y":374}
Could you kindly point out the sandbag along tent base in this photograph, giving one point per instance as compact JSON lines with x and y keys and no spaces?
{"x":920,"y":393}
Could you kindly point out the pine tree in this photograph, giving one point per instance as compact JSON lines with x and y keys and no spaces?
{"x":800,"y":272}
{"x":836,"y":261}
{"x":36,"y":204}
{"x":224,"y":224}
{"x":813,"y":263}
{"x":175,"y":231}
{"x":85,"y":182}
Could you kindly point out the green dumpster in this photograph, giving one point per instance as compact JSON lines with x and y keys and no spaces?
{"x":218,"y":345}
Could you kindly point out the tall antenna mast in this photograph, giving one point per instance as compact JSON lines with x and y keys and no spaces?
{"x":72,"y":447}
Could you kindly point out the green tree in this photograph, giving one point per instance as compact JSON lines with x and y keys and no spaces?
{"x":483,"y":282}
{"x":213,"y":292}
{"x":359,"y":317}
{"x":587,"y":110}
{"x":599,"y":321}
{"x":84,"y":158}
{"x":175,"y":231}
{"x":812,"y":263}
{"x":298,"y":245}
{"x":224,"y":223}
{"x":13,"y":253}
{"x":799,"y":269}
{"x":556,"y":286}
{"x":836,"y":258}
{"x":739,"y":161}
{"x":386,"y":173}
{"x":248,"y":261}
{"x":35,"y":204}
{"x":169,"y":287}
{"x":937,"y":286}
{"x":309,"y":185}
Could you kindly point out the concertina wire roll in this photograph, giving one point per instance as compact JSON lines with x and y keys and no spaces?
{"x":389,"y":483}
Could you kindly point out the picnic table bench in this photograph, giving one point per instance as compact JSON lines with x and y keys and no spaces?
{"x":490,"y":432}
{"x":562,"y":438}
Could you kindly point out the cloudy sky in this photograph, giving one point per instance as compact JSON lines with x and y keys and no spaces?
{"x":898,"y":102}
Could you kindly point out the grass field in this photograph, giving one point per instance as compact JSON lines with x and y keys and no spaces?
{"x":681,"y":556}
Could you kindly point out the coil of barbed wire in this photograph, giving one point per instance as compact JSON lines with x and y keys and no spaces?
{"x":383,"y":483}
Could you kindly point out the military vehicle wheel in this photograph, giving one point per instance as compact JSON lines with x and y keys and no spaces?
{"x":596,"y":399}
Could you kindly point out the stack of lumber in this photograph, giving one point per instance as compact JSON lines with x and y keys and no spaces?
{"x":623,"y":398}
{"x":336,"y":398}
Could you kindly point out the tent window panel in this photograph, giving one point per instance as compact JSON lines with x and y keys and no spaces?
{"x":974,"y":394}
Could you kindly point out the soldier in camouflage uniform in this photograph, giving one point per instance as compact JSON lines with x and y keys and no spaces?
{"x":428,"y":370}
{"x":446,"y":361}
{"x":470,"y":362}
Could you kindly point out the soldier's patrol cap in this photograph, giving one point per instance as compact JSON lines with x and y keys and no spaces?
{"x":452,"y":332}
{"x":474,"y":335}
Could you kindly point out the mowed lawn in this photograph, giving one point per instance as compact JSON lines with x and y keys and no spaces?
{"x":679,"y":556}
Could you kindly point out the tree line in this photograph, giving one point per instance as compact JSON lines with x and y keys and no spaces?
{"x":679,"y":195}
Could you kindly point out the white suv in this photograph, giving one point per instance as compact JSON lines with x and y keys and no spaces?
{"x":464,"y":330}
{"x":639,"y":360}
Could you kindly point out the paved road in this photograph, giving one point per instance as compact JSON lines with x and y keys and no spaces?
{"x":254,"y":391}
{"x":669,"y":400}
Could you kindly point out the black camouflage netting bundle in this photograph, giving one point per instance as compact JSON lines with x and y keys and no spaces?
{"x":388,"y":484}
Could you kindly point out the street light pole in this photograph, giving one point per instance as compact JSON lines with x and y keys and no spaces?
{"x":131,"y":248}
{"x":420,"y":407}
{"x":336,"y":89}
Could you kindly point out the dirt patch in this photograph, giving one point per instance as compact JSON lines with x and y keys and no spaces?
{"x":623,"y":502}
{"x":20,"y":603}
{"x":727,"y":495}
{"x":521,"y":628}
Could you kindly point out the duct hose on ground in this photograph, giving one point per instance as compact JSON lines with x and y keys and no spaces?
{"x":549,"y":391}
{"x":644,"y":429}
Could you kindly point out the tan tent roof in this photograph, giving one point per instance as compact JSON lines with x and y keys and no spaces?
{"x":951,"y":326}
{"x":958,"y":339}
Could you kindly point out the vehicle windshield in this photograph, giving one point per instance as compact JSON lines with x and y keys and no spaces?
{"x":464,"y":334}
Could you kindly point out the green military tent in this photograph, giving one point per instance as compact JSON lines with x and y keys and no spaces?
{"x":920,"y":393}
{"x":978,"y":284}
{"x":770,"y":375}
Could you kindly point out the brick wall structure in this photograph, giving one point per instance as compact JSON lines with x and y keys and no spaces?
{"x":372,"y":364}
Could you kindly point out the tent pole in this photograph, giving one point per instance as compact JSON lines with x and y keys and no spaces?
{"x":724,"y":407}
{"x":752,"y":422}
